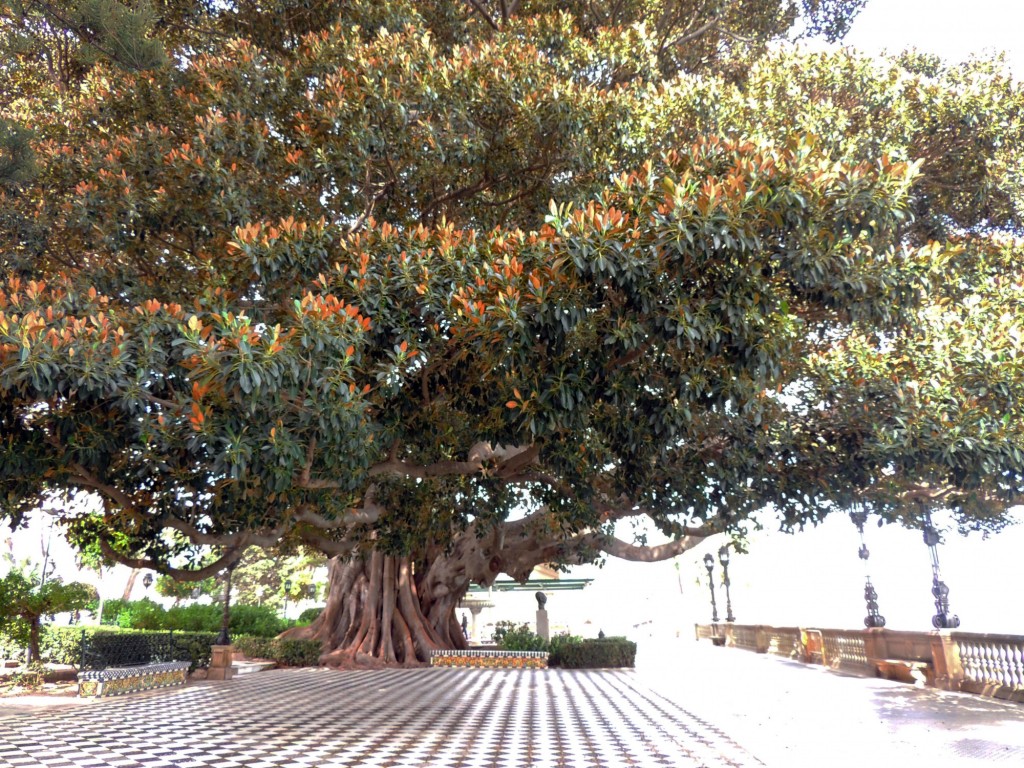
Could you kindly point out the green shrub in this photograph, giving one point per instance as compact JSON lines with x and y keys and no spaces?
{"x":513,"y":637}
{"x":557,"y":642}
{"x":112,"y":609}
{"x":62,"y":645}
{"x":254,"y":647}
{"x":197,"y":647}
{"x":309,"y":615}
{"x":193,"y":618}
{"x":31,"y":677}
{"x":245,"y":619}
{"x":142,"y":614}
{"x":576,"y":653}
{"x":9,"y":647}
{"x":287,"y":653}
{"x":297,"y":653}
{"x":258,"y":620}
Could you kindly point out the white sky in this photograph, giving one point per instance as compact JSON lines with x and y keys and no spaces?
{"x":953,"y":29}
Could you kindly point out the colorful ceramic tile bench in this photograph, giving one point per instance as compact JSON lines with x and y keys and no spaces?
{"x":117,"y":680}
{"x":490,"y":659}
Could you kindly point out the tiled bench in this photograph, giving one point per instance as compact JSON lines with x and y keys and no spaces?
{"x":490,"y":659}
{"x":117,"y":680}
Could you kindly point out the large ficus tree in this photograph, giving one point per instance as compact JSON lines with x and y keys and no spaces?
{"x":448,"y":290}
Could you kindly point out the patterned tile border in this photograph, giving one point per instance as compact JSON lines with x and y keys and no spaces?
{"x":490,"y":659}
{"x":118,"y":680}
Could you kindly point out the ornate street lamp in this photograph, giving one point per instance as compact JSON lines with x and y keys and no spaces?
{"x":709,"y":563}
{"x":287,"y":588}
{"x":874,"y":618}
{"x":147,"y":580}
{"x":942,"y":618}
{"x":224,"y":638}
{"x":723,"y":558}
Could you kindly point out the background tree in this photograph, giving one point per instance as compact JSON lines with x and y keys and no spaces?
{"x":261,"y":574}
{"x":308,"y":286}
{"x":185,"y":590}
{"x":24,"y":602}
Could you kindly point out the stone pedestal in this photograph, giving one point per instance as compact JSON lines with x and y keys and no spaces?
{"x":542,"y":624}
{"x":221,"y":659}
{"x":542,"y":616}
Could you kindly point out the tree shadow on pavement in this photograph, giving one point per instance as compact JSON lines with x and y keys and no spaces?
{"x":947,"y":710}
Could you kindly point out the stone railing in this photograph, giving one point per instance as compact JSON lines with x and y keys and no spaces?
{"x":990,"y":665}
{"x":784,"y":641}
{"x":845,"y":650}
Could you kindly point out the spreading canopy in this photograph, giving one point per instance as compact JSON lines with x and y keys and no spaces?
{"x":308,"y":283}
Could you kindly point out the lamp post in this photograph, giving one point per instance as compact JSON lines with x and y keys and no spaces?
{"x":147,"y":581}
{"x":287,"y":588}
{"x":709,"y":563}
{"x":942,"y":618}
{"x":723,"y":558}
{"x":224,"y":638}
{"x":874,"y":618}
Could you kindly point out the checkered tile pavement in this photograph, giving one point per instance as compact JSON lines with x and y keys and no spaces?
{"x":423,"y":718}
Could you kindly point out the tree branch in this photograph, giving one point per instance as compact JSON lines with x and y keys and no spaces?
{"x":369,"y":513}
{"x":229,"y":558}
{"x":241,"y":539}
{"x":643,"y":554}
{"x":487,"y":17}
{"x":86,"y":478}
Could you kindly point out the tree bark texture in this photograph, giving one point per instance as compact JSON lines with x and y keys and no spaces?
{"x":130,"y":585}
{"x":374,"y":614}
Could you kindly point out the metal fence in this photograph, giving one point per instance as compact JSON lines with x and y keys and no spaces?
{"x":104,"y":650}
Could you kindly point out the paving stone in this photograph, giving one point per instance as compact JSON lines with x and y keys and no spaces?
{"x":441,"y":718}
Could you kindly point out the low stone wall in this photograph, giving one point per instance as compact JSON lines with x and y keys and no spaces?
{"x":989,"y":665}
{"x":490,"y":659}
{"x":117,"y":680}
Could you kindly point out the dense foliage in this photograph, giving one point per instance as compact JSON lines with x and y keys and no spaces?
{"x":25,"y":600}
{"x":256,"y":620}
{"x":378,"y":277}
{"x":518,"y":637}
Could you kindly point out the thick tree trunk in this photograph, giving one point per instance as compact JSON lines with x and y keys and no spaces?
{"x":34,"y":654}
{"x":374,"y":614}
{"x":382,"y":609}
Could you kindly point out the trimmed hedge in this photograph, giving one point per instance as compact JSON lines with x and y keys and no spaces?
{"x":145,"y":614}
{"x":254,"y":647}
{"x":287,"y":653}
{"x":576,"y":653}
{"x":297,"y":653}
{"x":62,"y":645}
{"x":568,"y":651}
